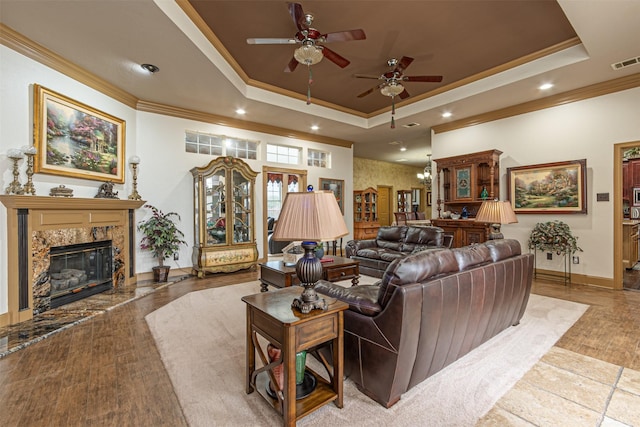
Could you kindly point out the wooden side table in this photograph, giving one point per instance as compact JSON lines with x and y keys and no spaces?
{"x":271,"y":316}
{"x":279,"y":275}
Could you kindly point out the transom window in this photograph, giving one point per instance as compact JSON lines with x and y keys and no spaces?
{"x":283,"y":154}
{"x":220,"y":145}
{"x":321,"y":159}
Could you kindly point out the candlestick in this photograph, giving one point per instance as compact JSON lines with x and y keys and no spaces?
{"x":15,"y":187}
{"x":30,"y":152}
{"x":134,"y":160}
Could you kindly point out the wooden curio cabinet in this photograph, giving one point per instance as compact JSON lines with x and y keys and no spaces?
{"x":465,"y":182}
{"x":365,"y":214}
{"x":223,"y":194}
{"x":404,"y":201}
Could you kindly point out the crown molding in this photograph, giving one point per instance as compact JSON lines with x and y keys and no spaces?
{"x":168,"y":110}
{"x":580,"y":94}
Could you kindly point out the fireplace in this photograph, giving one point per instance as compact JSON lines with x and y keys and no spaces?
{"x":80,"y":270}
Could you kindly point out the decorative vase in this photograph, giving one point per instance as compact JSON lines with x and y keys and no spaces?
{"x":484,"y":194}
{"x":161,"y":273}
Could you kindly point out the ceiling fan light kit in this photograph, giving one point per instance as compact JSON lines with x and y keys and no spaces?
{"x":308,"y":54}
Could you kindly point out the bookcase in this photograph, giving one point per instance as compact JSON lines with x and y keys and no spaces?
{"x":365,"y":214}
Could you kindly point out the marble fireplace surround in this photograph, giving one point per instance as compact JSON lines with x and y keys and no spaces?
{"x":37,"y":223}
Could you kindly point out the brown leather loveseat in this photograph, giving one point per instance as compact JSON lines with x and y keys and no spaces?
{"x":430,"y":309}
{"x":391,"y":243}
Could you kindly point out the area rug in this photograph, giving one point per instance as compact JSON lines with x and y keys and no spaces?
{"x":201,"y":339}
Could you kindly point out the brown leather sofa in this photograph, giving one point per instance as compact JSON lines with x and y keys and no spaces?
{"x":394,"y":242}
{"x":430,"y":309}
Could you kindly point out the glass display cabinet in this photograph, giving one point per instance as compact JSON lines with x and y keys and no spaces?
{"x":365,"y":214}
{"x":223,"y":194}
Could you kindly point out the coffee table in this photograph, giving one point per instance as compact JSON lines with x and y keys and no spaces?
{"x":279,"y":275}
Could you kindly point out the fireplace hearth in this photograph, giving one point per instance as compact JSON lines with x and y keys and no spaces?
{"x":80,"y":270}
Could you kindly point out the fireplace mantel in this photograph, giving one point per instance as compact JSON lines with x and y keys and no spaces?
{"x":29,"y":215}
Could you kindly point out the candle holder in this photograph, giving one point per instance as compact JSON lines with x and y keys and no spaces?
{"x":15,"y":187}
{"x":135,"y":160}
{"x":30,"y":152}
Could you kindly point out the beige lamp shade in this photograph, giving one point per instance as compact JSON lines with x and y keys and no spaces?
{"x":311,"y":216}
{"x":497,"y":212}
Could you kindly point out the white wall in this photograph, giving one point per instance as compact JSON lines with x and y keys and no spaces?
{"x":580,"y":130}
{"x":164,"y":179}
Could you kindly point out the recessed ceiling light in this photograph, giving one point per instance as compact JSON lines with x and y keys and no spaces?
{"x":240,"y":111}
{"x":315,"y":127}
{"x":545,"y":86}
{"x":150,"y":68}
{"x":403,"y":148}
{"x":446,"y":114}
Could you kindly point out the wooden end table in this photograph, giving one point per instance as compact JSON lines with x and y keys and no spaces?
{"x":271,"y":316}
{"x":279,"y":275}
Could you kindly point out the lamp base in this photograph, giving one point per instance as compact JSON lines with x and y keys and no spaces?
{"x":495,"y":233}
{"x":309,"y":271}
{"x":305,"y":304}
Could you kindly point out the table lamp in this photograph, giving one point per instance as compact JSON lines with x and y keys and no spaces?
{"x":310,"y":217}
{"x":497,"y":213}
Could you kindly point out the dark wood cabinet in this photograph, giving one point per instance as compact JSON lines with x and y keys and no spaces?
{"x":467,"y":180}
{"x":365,"y":214}
{"x":465,"y":232}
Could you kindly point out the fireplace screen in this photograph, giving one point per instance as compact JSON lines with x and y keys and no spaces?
{"x":78,"y":271}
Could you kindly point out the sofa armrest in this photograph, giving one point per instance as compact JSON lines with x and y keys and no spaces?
{"x":362,"y":299}
{"x":353,"y":246}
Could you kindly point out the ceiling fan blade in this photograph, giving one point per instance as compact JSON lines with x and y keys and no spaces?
{"x":291,"y":66}
{"x":404,"y":94}
{"x":367,"y":76}
{"x":334,"y":57}
{"x":344,"y":36}
{"x":422,"y":79}
{"x":295,"y":9}
{"x":363,"y":94}
{"x":271,"y":41}
{"x":403,"y":64}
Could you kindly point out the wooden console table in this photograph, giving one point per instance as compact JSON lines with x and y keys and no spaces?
{"x":270,"y":315}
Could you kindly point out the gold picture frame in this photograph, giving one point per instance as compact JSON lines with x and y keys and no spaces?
{"x":75,"y":140}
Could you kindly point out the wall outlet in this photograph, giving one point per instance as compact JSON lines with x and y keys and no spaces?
{"x":576,"y":260}
{"x":549,"y":256}
{"x":176,"y":256}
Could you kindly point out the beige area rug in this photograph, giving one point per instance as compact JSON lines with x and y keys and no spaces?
{"x":201,"y":339}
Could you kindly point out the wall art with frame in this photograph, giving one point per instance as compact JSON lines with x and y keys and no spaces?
{"x":75,"y":140}
{"x":549,"y":188}
{"x":337,"y":187}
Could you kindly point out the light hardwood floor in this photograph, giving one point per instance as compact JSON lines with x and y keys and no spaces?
{"x":107,"y":372}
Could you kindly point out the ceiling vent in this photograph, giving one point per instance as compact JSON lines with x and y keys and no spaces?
{"x":626,"y":63}
{"x":410,"y":125}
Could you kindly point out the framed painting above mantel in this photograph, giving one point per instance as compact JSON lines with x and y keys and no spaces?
{"x":549,"y":188}
{"x":75,"y":140}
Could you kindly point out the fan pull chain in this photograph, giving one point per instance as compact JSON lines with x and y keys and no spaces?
{"x":393,"y":112}
{"x":309,"y":85}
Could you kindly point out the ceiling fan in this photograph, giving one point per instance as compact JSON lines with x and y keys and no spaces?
{"x":392,"y":82}
{"x":311,"y":52}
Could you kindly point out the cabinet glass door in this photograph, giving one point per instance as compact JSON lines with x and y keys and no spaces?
{"x":242,"y":231}
{"x":215,"y":208}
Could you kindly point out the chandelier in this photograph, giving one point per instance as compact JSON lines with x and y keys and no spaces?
{"x":426,"y":176}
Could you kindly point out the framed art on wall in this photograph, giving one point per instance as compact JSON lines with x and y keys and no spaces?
{"x":552,"y":188}
{"x":75,"y":140}
{"x":337,"y":187}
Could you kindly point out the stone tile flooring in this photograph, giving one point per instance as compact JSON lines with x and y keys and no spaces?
{"x":567,"y":388}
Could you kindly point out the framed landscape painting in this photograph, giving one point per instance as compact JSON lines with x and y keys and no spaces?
{"x":73,"y":139}
{"x":337,"y":186}
{"x":553,"y":188}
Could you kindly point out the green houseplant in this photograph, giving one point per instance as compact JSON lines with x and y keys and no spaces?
{"x":162,"y":237}
{"x":553,"y":236}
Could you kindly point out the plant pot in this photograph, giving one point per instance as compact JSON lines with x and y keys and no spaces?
{"x":161,"y":273}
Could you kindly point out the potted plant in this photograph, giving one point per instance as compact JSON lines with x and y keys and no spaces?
{"x":553,"y":236}
{"x":162,"y":237}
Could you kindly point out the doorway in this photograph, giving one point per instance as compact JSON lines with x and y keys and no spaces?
{"x":626,"y":273}
{"x":277,"y":182}
{"x":384,"y":204}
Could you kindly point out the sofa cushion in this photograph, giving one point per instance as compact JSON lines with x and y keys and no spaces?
{"x":469,"y":256}
{"x":503,"y":248}
{"x":426,"y":236}
{"x":415,"y":268}
{"x":391,"y":256}
{"x":362,"y":298}
{"x":391,"y":237}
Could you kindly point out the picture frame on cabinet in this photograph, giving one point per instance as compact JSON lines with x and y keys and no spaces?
{"x":549,"y":188}
{"x":337,"y":187}
{"x":428,"y":198}
{"x":463,"y":183}
{"x":76,"y":140}
{"x":636,"y":197}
